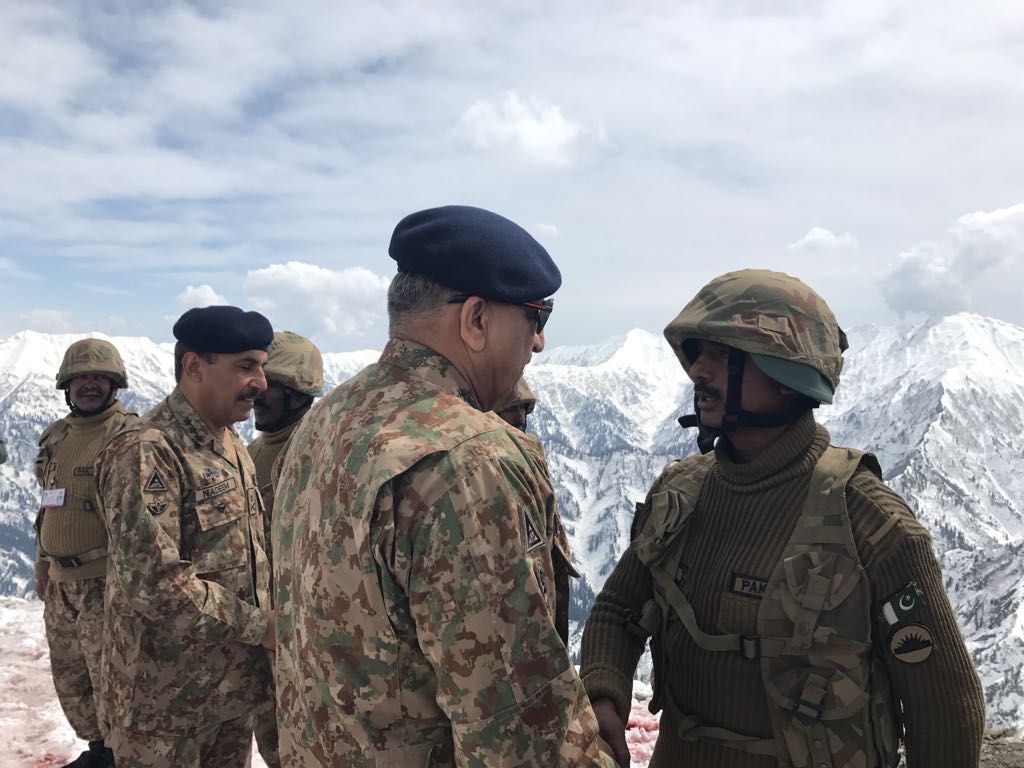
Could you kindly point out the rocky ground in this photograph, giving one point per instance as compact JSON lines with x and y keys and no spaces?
{"x":1002,"y":750}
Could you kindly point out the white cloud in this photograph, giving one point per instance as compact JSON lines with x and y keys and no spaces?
{"x":200,"y":296}
{"x":334,"y":305}
{"x":535,"y":130}
{"x":548,"y":229}
{"x":947,"y":275}
{"x":48,"y":320}
{"x":821,"y":239}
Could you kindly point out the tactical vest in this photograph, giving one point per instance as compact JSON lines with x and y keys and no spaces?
{"x":828,"y":695}
{"x":82,"y":490}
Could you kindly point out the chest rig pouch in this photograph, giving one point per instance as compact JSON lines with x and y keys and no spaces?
{"x":828,"y":695}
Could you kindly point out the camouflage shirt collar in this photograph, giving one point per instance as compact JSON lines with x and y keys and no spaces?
{"x":194,"y":426}
{"x":424,"y":363}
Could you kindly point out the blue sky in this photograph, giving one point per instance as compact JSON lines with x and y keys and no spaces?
{"x":157,"y":156}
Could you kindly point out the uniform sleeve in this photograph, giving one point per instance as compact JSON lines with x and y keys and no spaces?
{"x":942,"y":699}
{"x":476,"y":593}
{"x":610,"y":650}
{"x":144,"y":531}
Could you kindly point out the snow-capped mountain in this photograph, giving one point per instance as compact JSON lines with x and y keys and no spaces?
{"x":941,"y":404}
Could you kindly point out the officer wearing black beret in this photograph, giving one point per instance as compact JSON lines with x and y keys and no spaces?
{"x":445,"y":593}
{"x":187,"y":599}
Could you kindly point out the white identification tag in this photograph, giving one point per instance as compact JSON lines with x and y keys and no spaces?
{"x":53,"y":498}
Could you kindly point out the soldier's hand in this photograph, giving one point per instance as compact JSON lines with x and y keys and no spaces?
{"x":270,"y":636}
{"x":41,"y":585}
{"x":613,"y":730}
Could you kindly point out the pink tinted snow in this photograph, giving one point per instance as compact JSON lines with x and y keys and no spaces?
{"x":37,"y":735}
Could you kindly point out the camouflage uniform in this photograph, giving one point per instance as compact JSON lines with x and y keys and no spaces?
{"x":187,"y":591}
{"x":415,"y":584}
{"x":71,"y":554}
{"x":764,"y":583}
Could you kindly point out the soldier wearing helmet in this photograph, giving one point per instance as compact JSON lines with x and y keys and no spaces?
{"x":295,"y":376}
{"x":514,"y":410}
{"x":72,"y":542}
{"x":794,"y":604}
{"x":518,"y":406}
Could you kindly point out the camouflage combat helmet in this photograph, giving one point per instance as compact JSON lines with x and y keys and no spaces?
{"x":295,"y":362}
{"x":521,"y":395}
{"x":92,"y":356}
{"x":787,"y":328}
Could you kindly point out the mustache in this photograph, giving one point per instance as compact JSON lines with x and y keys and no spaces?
{"x":90,"y":392}
{"x":700,"y":388}
{"x":250,"y":394}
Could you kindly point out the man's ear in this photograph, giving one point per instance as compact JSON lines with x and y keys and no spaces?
{"x":192,"y":366}
{"x":474,"y":323}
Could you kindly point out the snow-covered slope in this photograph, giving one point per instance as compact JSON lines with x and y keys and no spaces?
{"x":941,"y":404}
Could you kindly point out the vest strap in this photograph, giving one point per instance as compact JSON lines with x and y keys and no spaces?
{"x":690,"y":728}
{"x":748,"y":646}
{"x":76,"y":561}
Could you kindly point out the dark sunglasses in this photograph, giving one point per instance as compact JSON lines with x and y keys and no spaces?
{"x":538,"y":311}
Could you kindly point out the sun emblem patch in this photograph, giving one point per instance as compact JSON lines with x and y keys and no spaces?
{"x":911,"y":644}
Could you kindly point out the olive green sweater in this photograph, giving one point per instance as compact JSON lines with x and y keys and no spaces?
{"x":742,"y":522}
{"x":265,"y":451}
{"x":67,"y":451}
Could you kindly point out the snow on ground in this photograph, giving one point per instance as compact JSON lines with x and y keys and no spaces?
{"x":38,"y":736}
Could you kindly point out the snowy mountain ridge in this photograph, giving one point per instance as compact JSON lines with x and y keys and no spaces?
{"x":940,"y":403}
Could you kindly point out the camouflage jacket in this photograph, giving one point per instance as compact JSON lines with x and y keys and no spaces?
{"x":187,"y":578}
{"x":415,"y":584}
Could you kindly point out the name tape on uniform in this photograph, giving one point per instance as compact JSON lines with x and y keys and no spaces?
{"x":749,"y":586}
{"x":209,"y":491}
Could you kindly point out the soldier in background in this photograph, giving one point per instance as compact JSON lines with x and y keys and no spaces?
{"x":187,"y":602}
{"x":413,"y":568}
{"x":796,"y":606}
{"x":295,"y":376}
{"x":71,"y":560}
{"x":515,"y":410}
{"x":518,"y":406}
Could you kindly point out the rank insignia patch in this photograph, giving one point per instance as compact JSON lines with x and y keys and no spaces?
{"x":157,"y":507}
{"x":155,"y":484}
{"x":900,"y":606}
{"x":533,"y":537}
{"x":911,"y":644}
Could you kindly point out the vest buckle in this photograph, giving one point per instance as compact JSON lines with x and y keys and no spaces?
{"x":750,"y":647}
{"x":68,"y":562}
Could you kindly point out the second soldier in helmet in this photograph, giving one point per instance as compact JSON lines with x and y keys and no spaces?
{"x":295,"y":376}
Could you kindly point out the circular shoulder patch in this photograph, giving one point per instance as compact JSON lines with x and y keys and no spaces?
{"x":911,"y":644}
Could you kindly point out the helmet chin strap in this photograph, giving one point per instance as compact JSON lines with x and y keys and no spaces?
{"x":734,"y":416}
{"x":76,"y":411}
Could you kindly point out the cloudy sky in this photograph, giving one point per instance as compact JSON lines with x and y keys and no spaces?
{"x":157,"y":156}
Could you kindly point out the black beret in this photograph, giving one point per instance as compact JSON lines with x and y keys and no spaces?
{"x":475,"y":251}
{"x":223,"y":329}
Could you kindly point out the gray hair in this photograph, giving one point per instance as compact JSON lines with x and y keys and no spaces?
{"x":411,"y":295}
